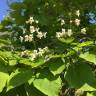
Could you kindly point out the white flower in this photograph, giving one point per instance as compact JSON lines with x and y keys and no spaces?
{"x":37,"y":29}
{"x":33,"y":57}
{"x":71,"y":21}
{"x":41,"y":52}
{"x":26,"y":38}
{"x":32,"y":29}
{"x":38,"y":53}
{"x":78,"y":13}
{"x":77,"y":22}
{"x":24,"y":53}
{"x":63,"y":32}
{"x":24,"y":31}
{"x":62,"y":22}
{"x":31,"y":20}
{"x":39,"y":35}
{"x":44,"y":34}
{"x":83,"y":30}
{"x":30,"y":38}
{"x":21,"y":39}
{"x":47,"y":58}
{"x":35,"y":52}
{"x":36,"y":21}
{"x":45,"y":49}
{"x":58,"y":34}
{"x":69,"y":33}
{"x":27,"y":22}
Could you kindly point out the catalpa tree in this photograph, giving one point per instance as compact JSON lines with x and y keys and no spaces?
{"x":49,"y":49}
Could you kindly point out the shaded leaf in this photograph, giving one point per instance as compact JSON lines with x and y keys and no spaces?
{"x":32,"y":91}
{"x":18,"y":78}
{"x":56,"y":66}
{"x":17,"y":6}
{"x":78,"y":75}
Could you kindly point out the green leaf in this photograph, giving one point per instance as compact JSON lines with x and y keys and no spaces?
{"x":12,"y":62}
{"x":36,"y":63}
{"x":1,"y":26}
{"x":3,"y":80}
{"x":19,"y":18}
{"x":18,"y":78}
{"x":3,"y":64}
{"x":89,"y":94}
{"x":56,"y":66}
{"x":79,"y":46}
{"x":47,"y":83}
{"x":87,"y":87}
{"x":17,"y":6}
{"x":32,"y":91}
{"x":5,"y":41}
{"x":6,"y":54}
{"x":88,"y":57}
{"x":80,"y":74}
{"x":68,"y":40}
{"x":87,"y":43}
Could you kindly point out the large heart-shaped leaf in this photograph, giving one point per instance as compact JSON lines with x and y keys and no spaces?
{"x":18,"y":78}
{"x":47,"y":83}
{"x":80,"y":74}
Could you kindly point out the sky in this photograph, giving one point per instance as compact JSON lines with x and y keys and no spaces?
{"x":4,"y":7}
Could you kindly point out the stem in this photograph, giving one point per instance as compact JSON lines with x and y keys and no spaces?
{"x":34,"y":44}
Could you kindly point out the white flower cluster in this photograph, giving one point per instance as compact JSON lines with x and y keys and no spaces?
{"x":31,"y":20}
{"x":33,"y":29}
{"x":24,"y":53}
{"x":26,"y":38}
{"x":77,"y":22}
{"x":40,"y":35}
{"x":62,"y":22}
{"x":38,"y":53}
{"x":63,"y":33}
{"x":69,"y":32}
{"x":78,"y":13}
{"x":83,"y":30}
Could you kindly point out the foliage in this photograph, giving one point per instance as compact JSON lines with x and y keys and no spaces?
{"x":50,"y":49}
